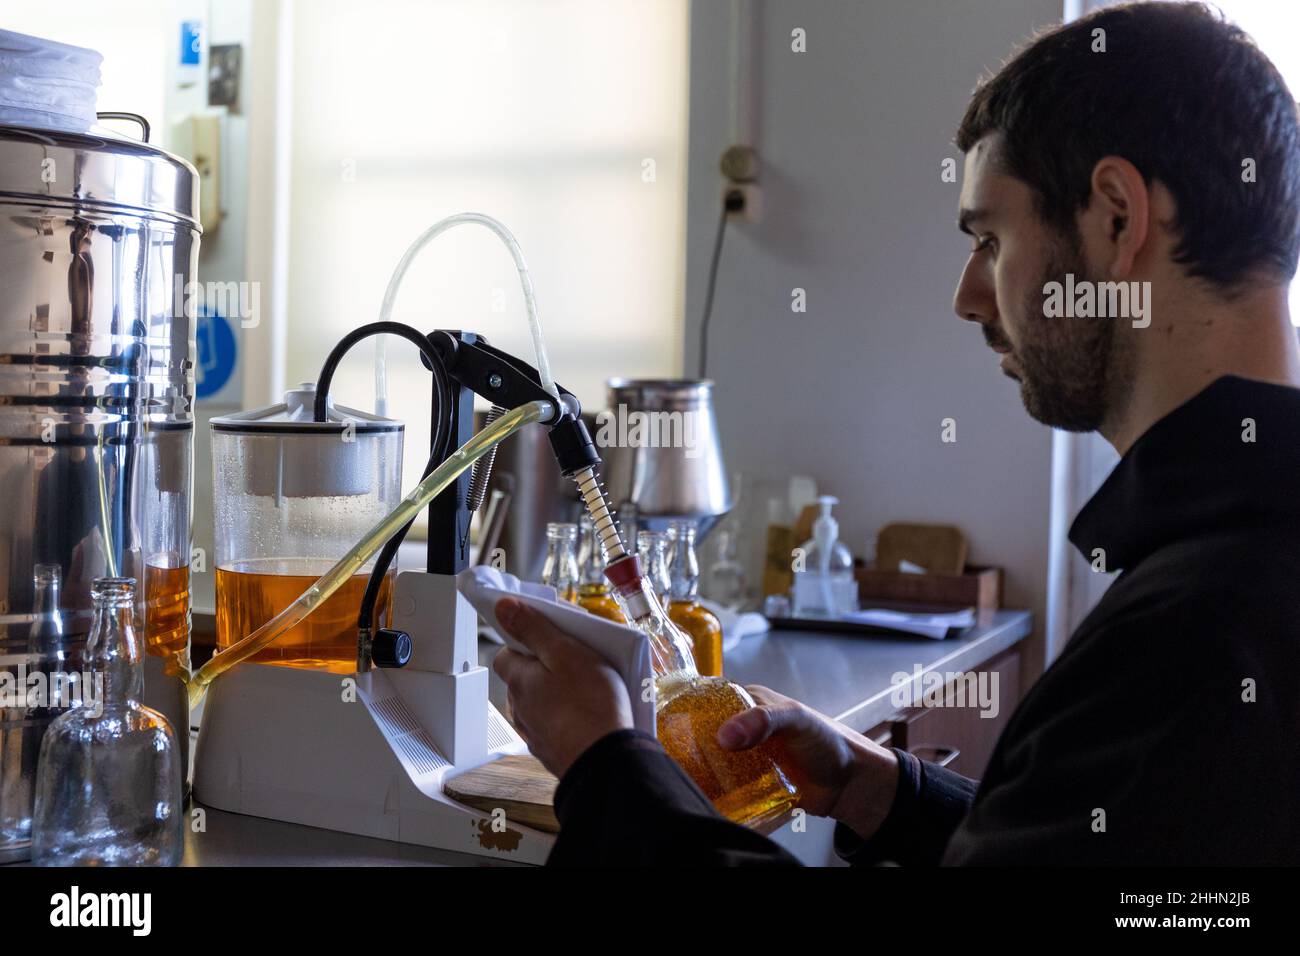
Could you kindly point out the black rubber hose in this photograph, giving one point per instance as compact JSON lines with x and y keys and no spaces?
{"x":441,"y":449}
{"x":326,"y":378}
{"x":440,"y":427}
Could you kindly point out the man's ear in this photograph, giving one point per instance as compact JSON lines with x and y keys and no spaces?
{"x":1117,"y":219}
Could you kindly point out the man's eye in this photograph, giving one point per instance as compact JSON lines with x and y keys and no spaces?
{"x":982,"y":243}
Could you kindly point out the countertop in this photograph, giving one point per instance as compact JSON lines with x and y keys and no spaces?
{"x":848,"y":677}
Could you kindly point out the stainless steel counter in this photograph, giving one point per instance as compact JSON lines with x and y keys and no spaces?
{"x":849,"y":677}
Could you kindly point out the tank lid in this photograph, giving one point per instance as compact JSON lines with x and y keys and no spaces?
{"x":96,"y":168}
{"x":295,"y":416}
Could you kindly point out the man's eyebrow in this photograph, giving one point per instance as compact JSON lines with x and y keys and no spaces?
{"x":967,"y":217}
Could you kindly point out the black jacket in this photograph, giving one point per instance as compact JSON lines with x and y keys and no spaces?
{"x":1167,"y":732}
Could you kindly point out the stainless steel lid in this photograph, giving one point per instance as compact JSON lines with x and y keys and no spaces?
{"x":659,"y":393}
{"x":98,"y":169}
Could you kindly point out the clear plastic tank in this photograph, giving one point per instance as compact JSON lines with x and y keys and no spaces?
{"x":291,"y":497}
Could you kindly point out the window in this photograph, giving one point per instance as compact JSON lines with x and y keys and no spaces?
{"x":1275,"y":28}
{"x":566,"y":120}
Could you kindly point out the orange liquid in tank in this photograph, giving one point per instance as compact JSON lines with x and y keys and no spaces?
{"x":167,"y":616}
{"x":250,"y":593}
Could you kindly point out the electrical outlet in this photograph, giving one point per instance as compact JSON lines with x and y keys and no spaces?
{"x":740,"y":194}
{"x":744,"y":202}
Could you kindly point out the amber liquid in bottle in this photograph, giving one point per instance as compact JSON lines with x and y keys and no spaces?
{"x":705,"y":632}
{"x":250,"y":593}
{"x":746,"y":786}
{"x":167,"y":615}
{"x":596,"y":599}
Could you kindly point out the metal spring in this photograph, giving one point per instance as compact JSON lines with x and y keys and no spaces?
{"x":593,"y":496}
{"x":482,"y":473}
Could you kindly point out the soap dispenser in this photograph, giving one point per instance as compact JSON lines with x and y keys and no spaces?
{"x":824,"y":585}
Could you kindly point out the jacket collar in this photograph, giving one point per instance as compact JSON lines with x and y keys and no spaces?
{"x":1196,"y":469}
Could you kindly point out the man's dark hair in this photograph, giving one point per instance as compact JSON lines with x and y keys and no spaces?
{"x":1183,"y":95}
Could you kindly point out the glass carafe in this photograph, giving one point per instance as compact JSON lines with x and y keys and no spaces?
{"x":746,"y":786}
{"x":291,"y":496}
{"x":108,"y":789}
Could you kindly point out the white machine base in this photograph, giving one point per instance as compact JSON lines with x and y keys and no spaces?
{"x":347,"y":753}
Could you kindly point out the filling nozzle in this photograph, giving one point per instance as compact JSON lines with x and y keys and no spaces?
{"x":577,"y":457}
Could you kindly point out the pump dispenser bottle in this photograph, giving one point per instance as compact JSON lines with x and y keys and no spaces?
{"x":825,"y":585}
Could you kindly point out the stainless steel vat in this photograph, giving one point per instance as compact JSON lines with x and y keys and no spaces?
{"x":99,"y":242}
{"x":659,"y":439}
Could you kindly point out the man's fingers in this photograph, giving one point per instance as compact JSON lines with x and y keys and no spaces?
{"x":531,"y":629}
{"x":512,"y":666}
{"x":765,"y":695}
{"x":753,"y":726}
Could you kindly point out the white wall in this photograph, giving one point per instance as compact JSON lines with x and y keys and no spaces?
{"x":852,"y":134}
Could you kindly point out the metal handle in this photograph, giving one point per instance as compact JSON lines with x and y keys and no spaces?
{"x":133,"y":117}
{"x":942,"y":756}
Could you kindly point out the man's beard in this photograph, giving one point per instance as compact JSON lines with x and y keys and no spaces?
{"x":1064,"y":363}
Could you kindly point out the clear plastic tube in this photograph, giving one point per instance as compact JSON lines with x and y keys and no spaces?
{"x":395,"y":283}
{"x":329,"y":582}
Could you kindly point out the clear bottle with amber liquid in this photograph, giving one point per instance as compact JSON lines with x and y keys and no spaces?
{"x":594,"y":593}
{"x":684,"y":605}
{"x":560,"y":570}
{"x":746,"y":786}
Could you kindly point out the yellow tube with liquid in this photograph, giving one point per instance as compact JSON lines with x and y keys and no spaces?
{"x":351,"y":563}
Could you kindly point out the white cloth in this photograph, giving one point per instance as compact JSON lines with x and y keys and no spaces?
{"x":625,"y":648}
{"x":47,"y":85}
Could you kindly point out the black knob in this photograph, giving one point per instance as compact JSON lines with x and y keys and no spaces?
{"x":390,"y":648}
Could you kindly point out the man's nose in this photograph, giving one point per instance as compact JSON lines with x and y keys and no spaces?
{"x":974,"y":299}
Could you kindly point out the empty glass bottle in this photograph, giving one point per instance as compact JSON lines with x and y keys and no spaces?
{"x":594,"y":593}
{"x":727,"y":574}
{"x":108,"y":790}
{"x":684,"y":605}
{"x":560,"y":570}
{"x":652,"y":549}
{"x":24,"y":715}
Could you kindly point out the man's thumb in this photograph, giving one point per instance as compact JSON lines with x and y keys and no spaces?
{"x":748,"y":729}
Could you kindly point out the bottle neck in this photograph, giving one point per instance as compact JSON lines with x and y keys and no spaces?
{"x":684,"y":568}
{"x":47,"y":620}
{"x":591,"y":563}
{"x":561,"y":568}
{"x":670,"y":647}
{"x":113,"y":653}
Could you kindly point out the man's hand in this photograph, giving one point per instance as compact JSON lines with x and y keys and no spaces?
{"x":566,"y":697}
{"x":840,"y":773}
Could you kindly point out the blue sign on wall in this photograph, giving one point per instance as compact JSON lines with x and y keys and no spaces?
{"x":217,"y":349}
{"x":191,"y":42}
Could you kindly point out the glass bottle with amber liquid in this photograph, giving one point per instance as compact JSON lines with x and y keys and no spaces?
{"x":594,"y":594}
{"x":684,"y":605}
{"x":746,"y":786}
{"x":560,"y":570}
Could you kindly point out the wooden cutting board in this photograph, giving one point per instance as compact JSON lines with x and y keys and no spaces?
{"x":519,"y":785}
{"x":939,"y":548}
